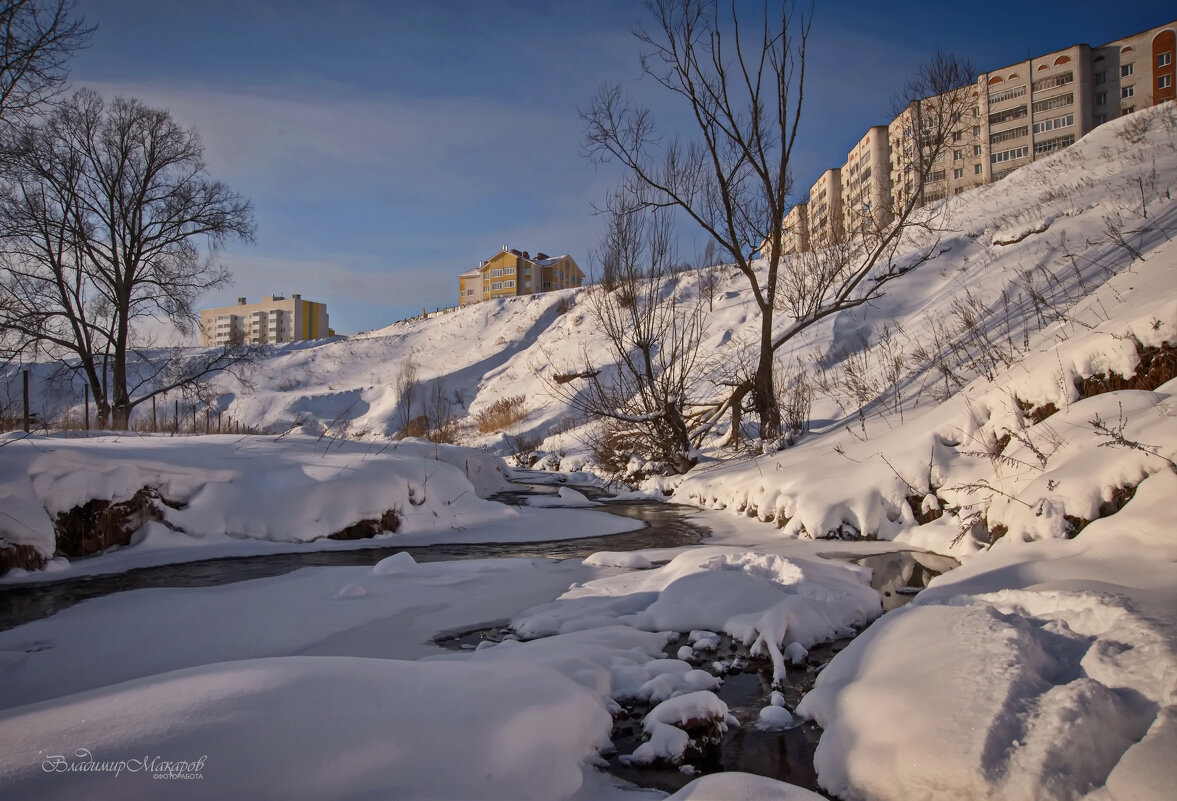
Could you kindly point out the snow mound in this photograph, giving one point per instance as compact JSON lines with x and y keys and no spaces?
{"x":316,"y":727}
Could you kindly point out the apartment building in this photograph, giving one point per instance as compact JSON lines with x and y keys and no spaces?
{"x":514,"y":272}
{"x":1011,"y":116}
{"x":866,"y":182}
{"x":825,"y":209}
{"x":274,"y":320}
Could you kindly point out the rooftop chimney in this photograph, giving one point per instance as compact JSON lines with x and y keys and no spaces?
{"x":240,"y":301}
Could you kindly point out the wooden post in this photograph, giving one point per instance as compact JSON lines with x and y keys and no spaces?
{"x":176,"y":419}
{"x":208,"y":413}
{"x":154,"y":418}
{"x":86,"y":406}
{"x":194,"y":418}
{"x":26,"y":383}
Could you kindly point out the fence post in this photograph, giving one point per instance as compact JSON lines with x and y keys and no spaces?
{"x":86,"y":406}
{"x":26,"y":394}
{"x":154,"y":418}
{"x":176,"y":419}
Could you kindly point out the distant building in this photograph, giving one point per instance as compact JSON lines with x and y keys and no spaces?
{"x":515,"y":272}
{"x":274,"y":320}
{"x":1019,"y":114}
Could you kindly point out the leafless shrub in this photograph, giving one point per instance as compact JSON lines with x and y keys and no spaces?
{"x":502,"y":414}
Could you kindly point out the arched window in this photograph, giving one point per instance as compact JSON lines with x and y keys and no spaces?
{"x":996,"y":79}
{"x":1062,"y":60}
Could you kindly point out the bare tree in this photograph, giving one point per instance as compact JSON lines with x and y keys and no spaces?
{"x":102,"y":215}
{"x":645,"y":396}
{"x":37,"y":38}
{"x":408,"y":391}
{"x":745,"y":95}
{"x":744,"y":85}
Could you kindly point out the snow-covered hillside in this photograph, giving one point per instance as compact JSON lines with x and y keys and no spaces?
{"x":1009,"y":402}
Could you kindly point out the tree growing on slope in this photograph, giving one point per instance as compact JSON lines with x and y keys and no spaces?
{"x":103,"y":212}
{"x":644,"y":397}
{"x":744,"y":86}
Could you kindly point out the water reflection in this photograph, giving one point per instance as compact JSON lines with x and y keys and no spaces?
{"x":666,"y":527}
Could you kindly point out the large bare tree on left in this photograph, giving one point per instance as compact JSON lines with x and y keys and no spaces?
{"x":107,"y":218}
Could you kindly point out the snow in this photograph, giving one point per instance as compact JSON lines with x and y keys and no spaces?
{"x":314,"y":727}
{"x":735,"y":786}
{"x":1044,"y":667}
{"x":223,"y":492}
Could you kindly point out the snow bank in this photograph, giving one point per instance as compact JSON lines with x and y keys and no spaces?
{"x":763,"y":599}
{"x":217,"y":491}
{"x":737,"y":786}
{"x":303,"y":727}
{"x":1039,"y":670}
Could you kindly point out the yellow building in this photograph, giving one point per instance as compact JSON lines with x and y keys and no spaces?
{"x":514,"y":272}
{"x":274,"y":320}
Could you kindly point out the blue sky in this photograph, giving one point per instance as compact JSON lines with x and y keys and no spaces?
{"x":388,"y":146}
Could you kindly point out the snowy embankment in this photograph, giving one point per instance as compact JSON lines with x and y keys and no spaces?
{"x":211,"y":496}
{"x":1046,"y":667}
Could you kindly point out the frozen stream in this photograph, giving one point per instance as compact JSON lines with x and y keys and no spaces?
{"x":786,"y":755}
{"x":665,"y":527}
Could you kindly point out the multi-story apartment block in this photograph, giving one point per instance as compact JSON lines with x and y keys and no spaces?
{"x":866,"y":182}
{"x":514,"y":272}
{"x":275,"y":320}
{"x":1012,"y":116}
{"x":1037,"y":106}
{"x":825,"y":209}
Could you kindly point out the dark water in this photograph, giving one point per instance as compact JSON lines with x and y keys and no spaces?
{"x":666,"y":527}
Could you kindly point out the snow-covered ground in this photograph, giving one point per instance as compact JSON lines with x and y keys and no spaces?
{"x":1043,"y":668}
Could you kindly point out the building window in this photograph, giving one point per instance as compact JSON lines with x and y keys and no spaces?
{"x":1054,"y":124}
{"x":1164,"y":82}
{"x":1009,"y":155}
{"x":1051,"y":145}
{"x":1055,"y":102}
{"x":1164,"y":59}
{"x":957,"y":136}
{"x":957,"y":155}
{"x":508,"y":284}
{"x":1010,"y":114}
{"x":1053,"y":81}
{"x":1012,"y":133}
{"x":978,"y":170}
{"x":1126,"y":110}
{"x":1127,"y":91}
{"x":1125,"y":70}
{"x":1101,"y":98}
{"x":508,"y":271}
{"x":1101,"y":77}
{"x":958,"y":173}
{"x":1008,"y":94}
{"x":976,"y":150}
{"x":976,"y":130}
{"x":496,"y":286}
{"x":496,"y":273}
{"x":1101,"y":118}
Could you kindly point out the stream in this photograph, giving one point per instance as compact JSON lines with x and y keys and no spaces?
{"x":785,"y":755}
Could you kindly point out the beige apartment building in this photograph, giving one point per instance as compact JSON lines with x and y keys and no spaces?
{"x":866,"y":183}
{"x":825,"y":209}
{"x":274,"y":320}
{"x":1019,"y":113}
